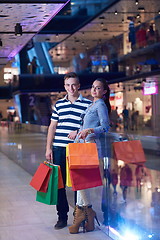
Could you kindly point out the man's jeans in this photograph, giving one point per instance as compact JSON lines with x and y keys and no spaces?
{"x":59,"y":158}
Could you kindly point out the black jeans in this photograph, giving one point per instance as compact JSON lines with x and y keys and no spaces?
{"x":59,"y":158}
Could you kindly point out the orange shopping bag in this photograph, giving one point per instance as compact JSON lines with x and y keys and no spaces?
{"x":82,"y":155}
{"x":129,"y":151}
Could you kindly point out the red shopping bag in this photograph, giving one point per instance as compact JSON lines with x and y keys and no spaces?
{"x":129,"y":151}
{"x":60,"y":179}
{"x":41,"y":178}
{"x":82,"y":155}
{"x":85,"y":178}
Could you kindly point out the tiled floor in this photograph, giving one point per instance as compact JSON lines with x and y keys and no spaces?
{"x":21,"y":217}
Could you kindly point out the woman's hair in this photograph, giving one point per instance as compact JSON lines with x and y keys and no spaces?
{"x":107,"y":94}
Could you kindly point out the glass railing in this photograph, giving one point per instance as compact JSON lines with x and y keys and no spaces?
{"x":130,"y":201}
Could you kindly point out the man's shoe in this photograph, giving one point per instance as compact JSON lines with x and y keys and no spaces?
{"x":60,"y":224}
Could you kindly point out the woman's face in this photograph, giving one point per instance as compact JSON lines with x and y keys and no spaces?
{"x":97,"y":90}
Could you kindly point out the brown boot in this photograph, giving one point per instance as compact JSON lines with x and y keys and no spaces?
{"x":90,"y":215}
{"x":79,"y":217}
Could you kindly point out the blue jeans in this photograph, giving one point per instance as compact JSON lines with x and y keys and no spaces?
{"x":59,"y":158}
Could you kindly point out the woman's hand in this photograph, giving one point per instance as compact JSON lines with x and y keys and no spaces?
{"x":84,"y":133}
{"x":72,"y":135}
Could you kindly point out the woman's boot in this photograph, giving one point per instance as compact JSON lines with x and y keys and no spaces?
{"x":79,"y":217}
{"x":90,"y":215}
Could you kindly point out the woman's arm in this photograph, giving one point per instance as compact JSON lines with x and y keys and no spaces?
{"x":103,"y":119}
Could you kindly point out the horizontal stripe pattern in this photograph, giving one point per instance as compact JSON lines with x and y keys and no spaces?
{"x":68,"y":116}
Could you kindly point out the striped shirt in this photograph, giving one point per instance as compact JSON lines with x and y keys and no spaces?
{"x":68,"y":117}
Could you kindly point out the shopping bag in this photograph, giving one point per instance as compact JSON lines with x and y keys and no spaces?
{"x":41,"y":177}
{"x":82,"y":155}
{"x":60,"y":179}
{"x":85,"y":178}
{"x":68,"y":178}
{"x":129,"y":151}
{"x":50,"y":197}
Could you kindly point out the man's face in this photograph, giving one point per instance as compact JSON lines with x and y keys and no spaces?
{"x":71,"y":86}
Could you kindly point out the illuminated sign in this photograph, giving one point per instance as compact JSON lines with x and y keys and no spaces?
{"x":150,"y":88}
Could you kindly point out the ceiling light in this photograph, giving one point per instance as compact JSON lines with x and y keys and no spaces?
{"x":122,"y":20}
{"x":1,"y":44}
{"x":159,"y":12}
{"x":136,"y":2}
{"x":138,"y":16}
{"x":116,"y":12}
{"x":141,"y":9}
{"x":18,"y":29}
{"x":102,"y":24}
{"x":101,"y":17}
{"x":139,"y":81}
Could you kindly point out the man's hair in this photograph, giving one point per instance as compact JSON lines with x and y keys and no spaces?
{"x":71,"y":75}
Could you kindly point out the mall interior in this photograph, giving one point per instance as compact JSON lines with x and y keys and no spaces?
{"x":41,"y":41}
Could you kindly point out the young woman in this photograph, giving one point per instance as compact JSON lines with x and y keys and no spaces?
{"x":94,"y":123}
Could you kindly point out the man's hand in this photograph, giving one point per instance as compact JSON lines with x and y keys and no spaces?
{"x":72,"y":135}
{"x":49,"y":155}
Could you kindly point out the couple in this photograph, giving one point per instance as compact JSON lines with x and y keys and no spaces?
{"x":66,"y":124}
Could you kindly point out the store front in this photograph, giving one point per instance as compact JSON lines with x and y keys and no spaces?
{"x":138,"y":95}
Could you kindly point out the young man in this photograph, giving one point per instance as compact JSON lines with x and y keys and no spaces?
{"x":65,"y":119}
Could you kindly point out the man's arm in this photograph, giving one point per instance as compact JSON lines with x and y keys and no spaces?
{"x":50,"y":137}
